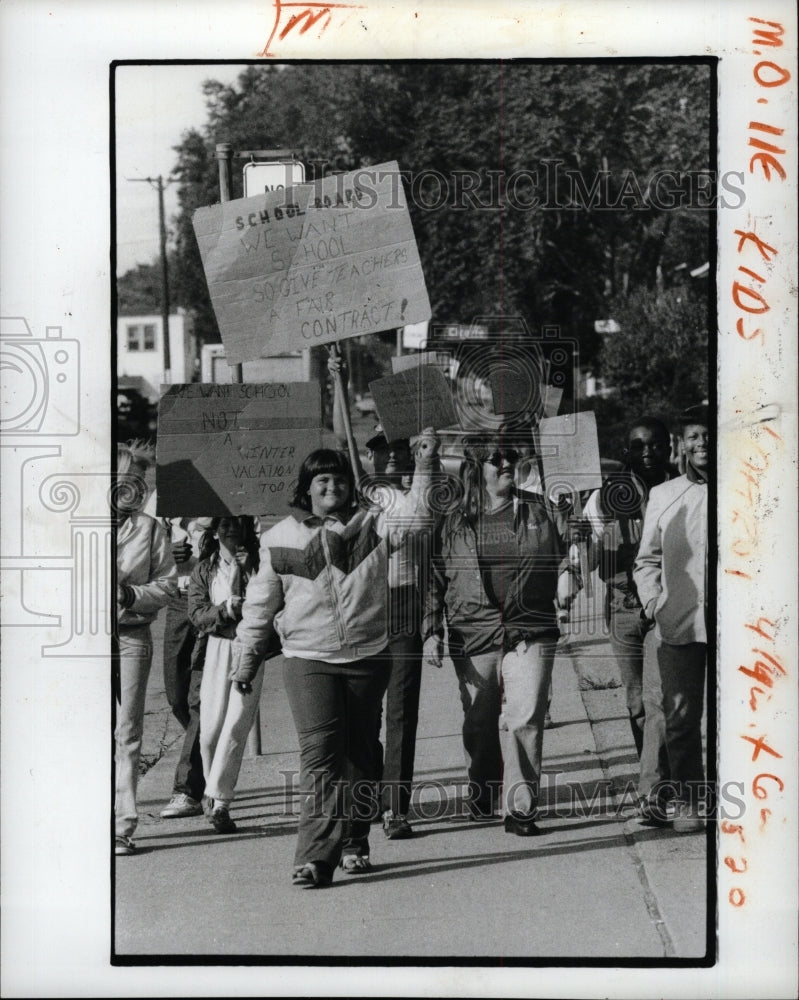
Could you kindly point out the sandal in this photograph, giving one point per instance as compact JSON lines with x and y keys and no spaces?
{"x":312,"y":875}
{"x":354,"y":864}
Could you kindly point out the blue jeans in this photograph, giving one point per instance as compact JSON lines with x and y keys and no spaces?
{"x":654,"y":758}
{"x":626,"y":634}
{"x":135,"y":659}
{"x":335,"y":708}
{"x":682,"y":678}
{"x":526,"y":676}
{"x":182,"y":688}
{"x":478,"y":682}
{"x":395,"y":766}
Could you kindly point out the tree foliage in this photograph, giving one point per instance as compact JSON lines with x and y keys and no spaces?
{"x":658,"y":361}
{"x":139,"y":290}
{"x":567,"y":224}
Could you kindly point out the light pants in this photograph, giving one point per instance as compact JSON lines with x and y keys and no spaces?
{"x":226,"y":717}
{"x":654,"y":779}
{"x":508,"y":735}
{"x":135,"y":658}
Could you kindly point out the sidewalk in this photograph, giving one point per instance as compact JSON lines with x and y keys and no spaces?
{"x":593,"y":885}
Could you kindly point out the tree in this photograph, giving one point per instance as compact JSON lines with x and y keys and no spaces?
{"x":539,"y":139}
{"x":658,"y":361}
{"x":139,"y":290}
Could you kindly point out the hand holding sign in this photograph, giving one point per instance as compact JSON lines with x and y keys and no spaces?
{"x":570,"y":460}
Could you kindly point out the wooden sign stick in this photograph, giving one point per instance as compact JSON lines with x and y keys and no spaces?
{"x":582,"y":545}
{"x":341,"y":393}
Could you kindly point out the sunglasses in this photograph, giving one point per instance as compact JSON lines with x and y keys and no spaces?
{"x":507,"y":457}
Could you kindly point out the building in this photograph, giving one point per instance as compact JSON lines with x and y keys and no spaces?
{"x":140,"y":350}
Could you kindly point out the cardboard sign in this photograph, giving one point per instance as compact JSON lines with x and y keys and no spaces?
{"x":235,"y":448}
{"x":570,"y":453}
{"x":552,"y":398}
{"x":436,"y":359}
{"x":312,"y":264}
{"x":514,"y":391}
{"x":410,"y":400}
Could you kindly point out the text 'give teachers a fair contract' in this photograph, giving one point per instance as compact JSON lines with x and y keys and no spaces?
{"x":312,"y":264}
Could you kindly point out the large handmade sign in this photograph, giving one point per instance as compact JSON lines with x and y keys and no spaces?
{"x":410,"y":400}
{"x":233,"y":449}
{"x":312,"y":264}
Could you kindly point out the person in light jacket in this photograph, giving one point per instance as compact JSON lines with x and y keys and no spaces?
{"x":670,"y":574}
{"x":146,"y":582}
{"x":322,"y":586}
{"x":500,"y":571}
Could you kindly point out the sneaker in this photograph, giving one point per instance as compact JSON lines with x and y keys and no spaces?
{"x":207,"y":805}
{"x":649,"y":813}
{"x":355,"y":864}
{"x":522,"y":826}
{"x":396,"y":827}
{"x":124,"y":845}
{"x":686,"y":819}
{"x":221,"y":821}
{"x":181,"y":805}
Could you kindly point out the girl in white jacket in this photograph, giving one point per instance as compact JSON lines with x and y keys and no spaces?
{"x":146,"y":582}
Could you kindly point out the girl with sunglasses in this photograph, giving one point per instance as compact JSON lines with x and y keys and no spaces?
{"x":499,"y":574}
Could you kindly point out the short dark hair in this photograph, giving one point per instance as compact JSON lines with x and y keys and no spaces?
{"x":323,"y":461}
{"x":653,"y":424}
{"x":209,"y":544}
{"x":698,"y":414}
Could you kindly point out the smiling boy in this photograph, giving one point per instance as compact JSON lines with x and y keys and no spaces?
{"x":671,"y":574}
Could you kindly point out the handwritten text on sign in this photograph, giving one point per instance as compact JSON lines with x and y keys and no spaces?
{"x":313,"y":264}
{"x":233,"y":449}
{"x":570,"y":453}
{"x":410,"y":400}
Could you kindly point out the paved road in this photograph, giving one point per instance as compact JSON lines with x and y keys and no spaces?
{"x":593,"y":885}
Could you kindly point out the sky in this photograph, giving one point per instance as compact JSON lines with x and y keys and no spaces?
{"x":155,"y":104}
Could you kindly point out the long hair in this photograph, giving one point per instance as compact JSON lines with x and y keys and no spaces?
{"x":474,"y":498}
{"x":323,"y":461}
{"x":209,"y":544}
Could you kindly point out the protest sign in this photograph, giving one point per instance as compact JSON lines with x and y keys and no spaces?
{"x":436,"y":359}
{"x":570,"y":453}
{"x":552,"y":397}
{"x":514,"y":391}
{"x":312,"y":264}
{"x":410,"y":400}
{"x":235,"y":448}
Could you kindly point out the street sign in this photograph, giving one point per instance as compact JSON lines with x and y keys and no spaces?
{"x":272,"y":176}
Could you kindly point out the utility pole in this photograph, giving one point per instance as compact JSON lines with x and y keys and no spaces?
{"x":224,"y":155}
{"x":158,"y":183}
